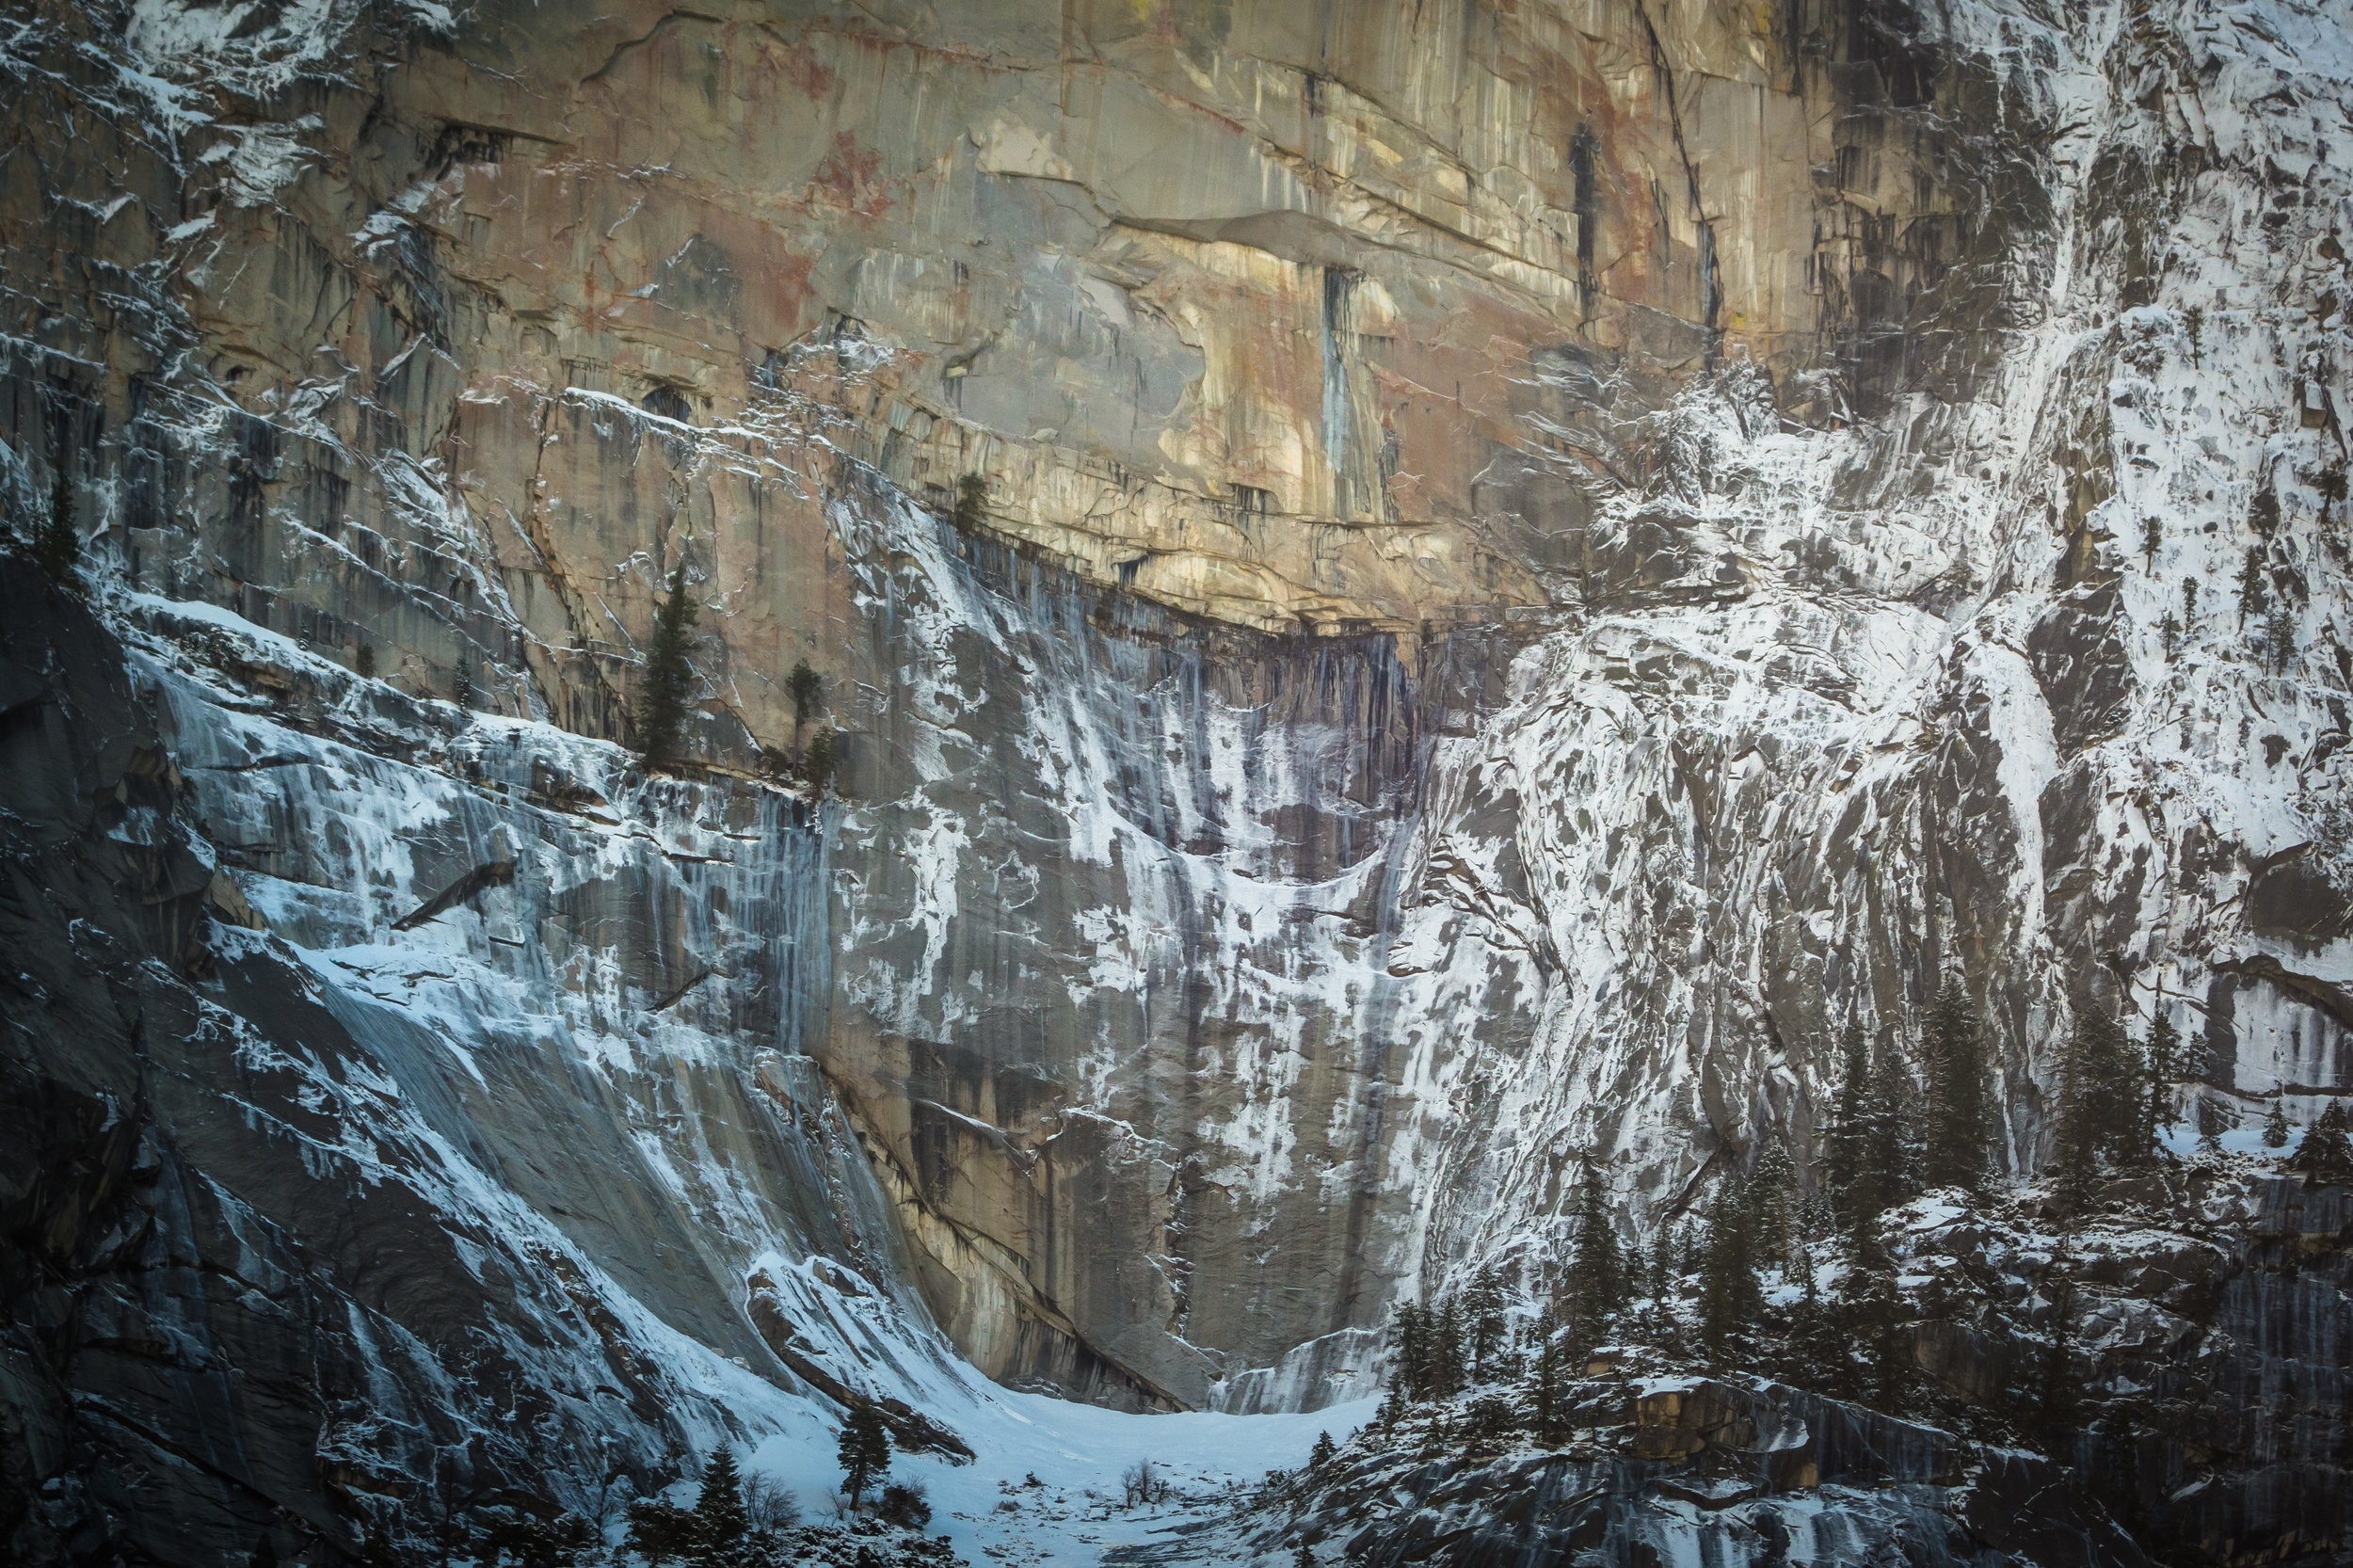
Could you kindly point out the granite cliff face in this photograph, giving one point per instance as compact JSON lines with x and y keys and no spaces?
{"x":1529,"y":565}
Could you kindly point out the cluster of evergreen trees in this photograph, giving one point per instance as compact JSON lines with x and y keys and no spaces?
{"x":713,"y":1532}
{"x":1896,"y":1128}
{"x":2116,"y":1098}
{"x":731,"y":1520}
{"x":2326,"y":1154}
{"x":1890,"y":1135}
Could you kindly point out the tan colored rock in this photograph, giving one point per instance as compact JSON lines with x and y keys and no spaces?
{"x":1676,"y":1423}
{"x":1283,"y":319}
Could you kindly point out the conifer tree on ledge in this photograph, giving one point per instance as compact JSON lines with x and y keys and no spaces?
{"x":668,"y":675}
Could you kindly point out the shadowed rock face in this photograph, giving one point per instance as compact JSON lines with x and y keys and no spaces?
{"x":2201,"y":1333}
{"x":300,"y":1253}
{"x":1531,"y":565}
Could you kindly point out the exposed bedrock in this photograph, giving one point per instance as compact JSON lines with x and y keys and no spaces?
{"x":1522,"y":568}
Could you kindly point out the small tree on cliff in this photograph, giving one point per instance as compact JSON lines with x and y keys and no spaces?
{"x":971,"y":496}
{"x":58,"y":545}
{"x":2255,"y":585}
{"x":1446,"y":1352}
{"x":804,"y":686}
{"x":864,"y":1451}
{"x":668,"y":675}
{"x":1409,"y":1352}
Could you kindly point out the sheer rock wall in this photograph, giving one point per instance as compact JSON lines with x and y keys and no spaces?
{"x":1532,"y":564}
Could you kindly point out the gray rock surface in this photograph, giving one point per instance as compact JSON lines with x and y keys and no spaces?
{"x":1531,"y":567}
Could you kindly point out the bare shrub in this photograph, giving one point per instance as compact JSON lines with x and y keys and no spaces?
{"x":769,"y":1506}
{"x":905,"y":1504}
{"x":1145,"y":1484}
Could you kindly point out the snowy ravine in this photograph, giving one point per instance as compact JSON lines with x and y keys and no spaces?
{"x":1266,"y":865}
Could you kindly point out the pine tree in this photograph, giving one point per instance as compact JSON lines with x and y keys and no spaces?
{"x":2213,"y":1122}
{"x":1597,"y":1266}
{"x":2097,"y":1111}
{"x":820,"y":758}
{"x":1548,"y":1391}
{"x":461,"y":684}
{"x":1810,"y":1334}
{"x":1729,"y":1297}
{"x":1957,"y":1130}
{"x":972,"y":495}
{"x":1664,"y":1275}
{"x":57,"y":546}
{"x":2161,"y":1064}
{"x":720,"y":1520}
{"x":2151,"y":533}
{"x":1409,"y":1348}
{"x":1874,"y":1313}
{"x":1447,"y":1352}
{"x":2280,"y":636}
{"x":1848,"y":1127}
{"x":864,"y":1451}
{"x":1890,"y":1158}
{"x":2276,"y":1127}
{"x":1305,"y":1557}
{"x":804,"y":686}
{"x":668,"y":675}
{"x":1482,"y":1312}
{"x":2253,"y":590}
{"x":1771,"y":1192}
